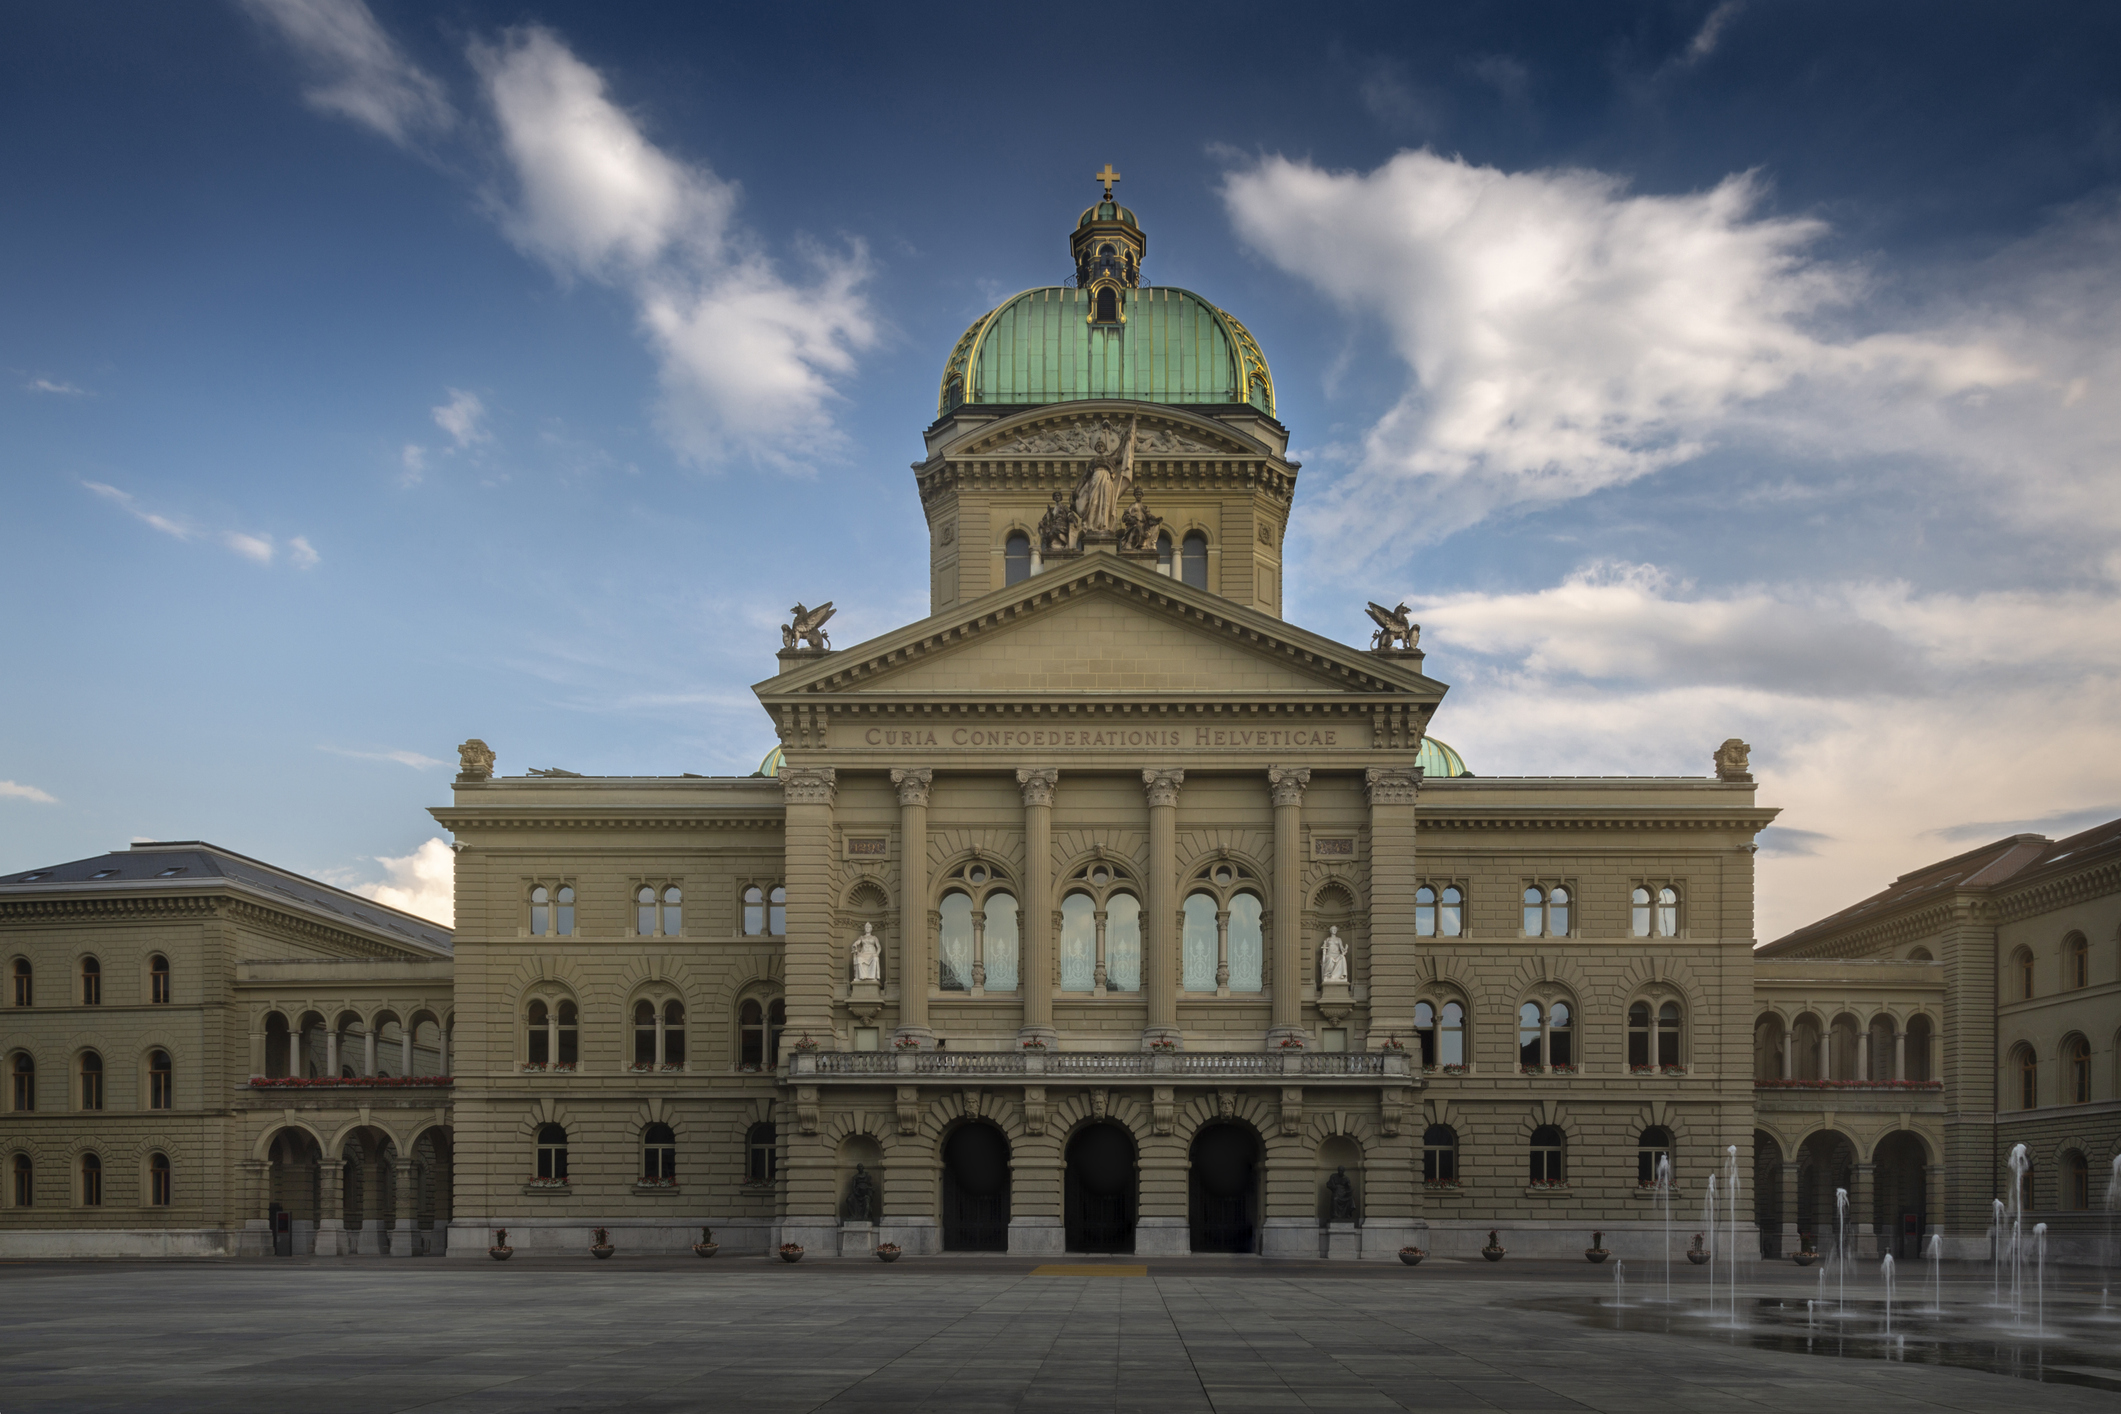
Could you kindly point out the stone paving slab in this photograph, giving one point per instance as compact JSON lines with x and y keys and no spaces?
{"x":570,"y":1335}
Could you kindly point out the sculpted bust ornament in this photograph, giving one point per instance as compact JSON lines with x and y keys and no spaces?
{"x":868,"y":956}
{"x":474,"y":761}
{"x":1333,"y":957}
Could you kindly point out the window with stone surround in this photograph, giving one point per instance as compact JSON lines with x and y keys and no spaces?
{"x":1223,"y":940}
{"x":1439,"y":1156}
{"x":762,"y":1154}
{"x":1546,"y":910}
{"x":1653,"y":911}
{"x":552,"y":911}
{"x":760,"y":1021}
{"x":1016,"y":558}
{"x":160,"y":1181}
{"x":24,"y":993}
{"x":161,"y":1081}
{"x":1440,"y":1029}
{"x":2077,"y":1064}
{"x":158,"y":980}
{"x":2022,"y":973}
{"x":1654,"y":1030}
{"x":1653,"y":1148}
{"x":1193,"y":559}
{"x":1439,"y":910}
{"x":765,"y":912}
{"x":24,"y":1181}
{"x":90,"y":1093}
{"x":552,"y":1034}
{"x":91,"y":982}
{"x":91,"y":1180}
{"x":659,"y":1154}
{"x":2076,"y":1182}
{"x":1101,"y":939}
{"x":22,"y":1082}
{"x":552,"y":1152}
{"x":1549,"y":1148}
{"x":1545,"y":1036}
{"x":2076,"y":960}
{"x":658,"y":911}
{"x":2027,"y":1067}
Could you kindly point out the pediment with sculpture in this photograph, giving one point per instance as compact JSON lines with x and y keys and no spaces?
{"x":1076,"y":434}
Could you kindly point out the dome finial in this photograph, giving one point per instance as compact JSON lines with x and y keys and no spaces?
{"x":1108,"y":177}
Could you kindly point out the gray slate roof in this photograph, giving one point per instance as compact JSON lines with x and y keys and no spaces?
{"x":188,"y":863}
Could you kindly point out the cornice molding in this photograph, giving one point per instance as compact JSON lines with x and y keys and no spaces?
{"x":544,"y":816}
{"x":2100,"y":879}
{"x":1594,"y":818}
{"x":228,"y":904}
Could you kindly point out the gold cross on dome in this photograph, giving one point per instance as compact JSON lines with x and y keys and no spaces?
{"x":1108,"y":177}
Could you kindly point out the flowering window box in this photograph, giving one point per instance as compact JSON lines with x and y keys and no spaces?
{"x":1656,"y":1070}
{"x":1451,"y":1069}
{"x":1450,"y":1187}
{"x":348,"y":1082}
{"x":1547,"y":1185}
{"x":1561,"y":1070}
{"x":534,"y":1067}
{"x":1531,"y":1070}
{"x":656,"y":1185}
{"x":545,"y":1184}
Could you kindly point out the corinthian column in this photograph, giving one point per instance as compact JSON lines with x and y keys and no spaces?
{"x":1287,"y":785}
{"x":807,"y":952}
{"x":916,"y":970}
{"x":1160,"y":912}
{"x":1036,"y":981}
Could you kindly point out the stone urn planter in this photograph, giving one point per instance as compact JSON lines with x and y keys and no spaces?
{"x":791,"y":1252}
{"x":600,"y":1243}
{"x":1412,"y":1255}
{"x":500,"y":1251}
{"x":1494,"y":1251}
{"x":887,"y":1251}
{"x":706,"y":1246}
{"x":1806,"y":1253}
{"x":1596,"y":1252}
{"x":1697,"y":1254}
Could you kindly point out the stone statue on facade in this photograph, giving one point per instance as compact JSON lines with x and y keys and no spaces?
{"x":868,"y":956}
{"x":1104,"y":486}
{"x":1138,"y":526}
{"x":1732,"y":761}
{"x":1395,"y":627}
{"x":808,"y":628}
{"x":474,"y":761}
{"x":1340,"y":1197}
{"x":861,"y":1196}
{"x":1333,"y":957}
{"x":1061,"y":527}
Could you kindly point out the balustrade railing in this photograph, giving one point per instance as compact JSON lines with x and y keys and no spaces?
{"x":1207,"y":1064}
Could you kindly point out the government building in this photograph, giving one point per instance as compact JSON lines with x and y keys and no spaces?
{"x":1100,"y":911}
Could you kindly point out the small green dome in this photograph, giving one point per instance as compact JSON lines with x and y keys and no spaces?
{"x":1438,"y":759}
{"x":771,"y":766}
{"x":1107,"y":211}
{"x":1168,"y":346}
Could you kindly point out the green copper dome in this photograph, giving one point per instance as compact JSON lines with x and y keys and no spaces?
{"x":1437,"y":759}
{"x":771,"y":766}
{"x":1167,"y":346}
{"x":1107,"y":211}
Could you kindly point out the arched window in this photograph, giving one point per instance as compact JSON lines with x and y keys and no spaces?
{"x":644,"y":1035}
{"x":1166,"y":557}
{"x":673,"y":1035}
{"x":2028,"y":1078}
{"x":1528,"y":1028}
{"x":537,"y":1022}
{"x":759,"y":1024}
{"x":998,"y":942}
{"x":953,"y":944}
{"x":1655,"y":1144}
{"x":1547,"y":1151}
{"x":644,"y":912}
{"x":1668,"y":912}
{"x":1016,"y":558}
{"x":1653,"y":1038}
{"x":2076,"y":1182}
{"x":25,"y":1182}
{"x":1546,"y":912}
{"x":1668,"y":1035}
{"x":1425,"y":1033}
{"x":2078,"y":1056}
{"x":1654,"y":912}
{"x":2022,"y":964}
{"x":1543,"y":1037}
{"x":1918,"y":1048}
{"x":1451,"y":1035}
{"x":1198,"y":945}
{"x":1108,"y":305}
{"x":158,"y":980}
{"x":540,"y":911}
{"x":1193,"y":559}
{"x":563,"y":912}
{"x":91,"y":1081}
{"x":765,"y":910}
{"x":673,"y":911}
{"x":1919,"y":955}
{"x":552,"y":1152}
{"x":158,"y":1180}
{"x":1078,"y":943}
{"x":91,"y":1181}
{"x":754,"y":911}
{"x":1248,"y":944}
{"x":1123,"y":943}
{"x":566,"y":1027}
{"x":25,"y":994}
{"x":25,"y":1082}
{"x":659,"y":1154}
{"x":1561,"y":1052}
{"x":1639,"y":912}
{"x":1439,"y":1156}
{"x":2077,"y":960}
{"x":91,"y":982}
{"x":161,"y":1081}
{"x":761,"y":1154}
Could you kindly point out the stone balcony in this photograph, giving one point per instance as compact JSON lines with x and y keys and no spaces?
{"x":1145,"y":1067}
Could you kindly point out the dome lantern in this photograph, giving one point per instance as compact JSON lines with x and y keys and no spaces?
{"x":1109,"y":247}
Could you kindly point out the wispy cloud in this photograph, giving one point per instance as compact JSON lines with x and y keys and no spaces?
{"x":361,"y":73}
{"x":258,"y":549}
{"x":463,"y":417}
{"x":403,"y":758}
{"x":15,"y":790}
{"x":47,"y":385}
{"x":1711,"y":32}
{"x":125,"y":501}
{"x":302,"y":554}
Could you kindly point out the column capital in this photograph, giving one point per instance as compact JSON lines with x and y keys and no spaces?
{"x":1162,"y":786}
{"x":1391,"y":785}
{"x":1038,"y":783}
{"x":809,"y":785}
{"x":913,"y":784}
{"x":1288,"y":783}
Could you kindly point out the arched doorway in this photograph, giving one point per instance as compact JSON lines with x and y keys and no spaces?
{"x":1101,"y":1189}
{"x":976,"y":1190}
{"x":433,"y":1176}
{"x":1898,"y":1208}
{"x":369,"y":1192}
{"x":1222,"y":1190}
{"x":1825,"y":1162}
{"x":292,"y":1168}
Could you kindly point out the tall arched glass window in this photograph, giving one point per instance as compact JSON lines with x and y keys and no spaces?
{"x":1548,"y":1147}
{"x":953,"y":943}
{"x":161,"y":1081}
{"x":1193,"y":559}
{"x":1668,"y":913}
{"x":569,"y":1034}
{"x":537,"y":1023}
{"x":552,"y":1151}
{"x":1425,"y":1033}
{"x":159,"y":1186}
{"x":644,"y":912}
{"x":998,"y":942}
{"x":1248,"y":945}
{"x":759,"y":1024}
{"x":2079,"y":1053}
{"x":1451,"y":912}
{"x":1560,"y":1049}
{"x":540,"y":911}
{"x":1641,"y":1039}
{"x":1078,"y":943}
{"x":754,"y":911}
{"x":777,"y":911}
{"x":91,"y":982}
{"x":673,"y":1034}
{"x":1016,"y":558}
{"x":1425,"y":912}
{"x":2024,"y":964}
{"x":25,"y":994}
{"x":1451,"y":1035}
{"x":91,"y":1081}
{"x":25,"y":1182}
{"x":1528,"y":1048}
{"x":2076,"y":1182}
{"x":1108,"y":305}
{"x":673,"y":911}
{"x":659,"y":1154}
{"x":1439,"y":1155}
{"x":644,"y":1035}
{"x":2028,"y":1079}
{"x":1197,"y":946}
{"x":1668,"y":1034}
{"x":24,"y":1086}
{"x":91,"y":1181}
{"x":158,"y":980}
{"x":1639,"y":912}
{"x":2077,"y":960}
{"x":1123,"y":943}
{"x":563,"y":912}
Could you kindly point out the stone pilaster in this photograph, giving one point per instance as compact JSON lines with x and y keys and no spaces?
{"x":1394,"y":949}
{"x":404,"y":1208}
{"x":807,"y":955}
{"x":1036,"y":979}
{"x":1160,"y":961}
{"x":916,"y":969}
{"x":1287,"y":785}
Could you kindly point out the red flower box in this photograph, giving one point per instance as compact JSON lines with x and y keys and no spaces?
{"x":345,"y":1082}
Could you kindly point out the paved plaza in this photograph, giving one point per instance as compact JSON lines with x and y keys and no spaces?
{"x":946,"y":1334}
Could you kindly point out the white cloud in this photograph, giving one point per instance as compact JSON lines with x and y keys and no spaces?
{"x":1563,"y":336}
{"x":364,"y":75}
{"x":1711,"y":32}
{"x":748,"y":357}
{"x":403,"y":758}
{"x":46,"y":385}
{"x":423,"y":882}
{"x":259,"y":549}
{"x":256,"y":548}
{"x":303,"y":555}
{"x":462,"y":417}
{"x":131,"y":506}
{"x":1883,"y":720}
{"x":15,"y":790}
{"x":414,"y":459}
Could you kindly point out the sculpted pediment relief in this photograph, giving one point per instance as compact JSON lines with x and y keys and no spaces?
{"x":1069,"y":435}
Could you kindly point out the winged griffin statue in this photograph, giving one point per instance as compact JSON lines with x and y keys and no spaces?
{"x":1394,"y":628}
{"x":808,"y":630}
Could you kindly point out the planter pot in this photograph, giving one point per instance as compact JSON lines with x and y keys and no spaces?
{"x":1412,"y":1255}
{"x":500,"y":1254}
{"x":1697,"y":1257}
{"x":1595,"y":1255}
{"x":1494,"y":1254}
{"x":1804,"y":1259}
{"x":602,"y":1252}
{"x":705,"y":1249}
{"x":791,"y":1253}
{"x":887,"y":1252}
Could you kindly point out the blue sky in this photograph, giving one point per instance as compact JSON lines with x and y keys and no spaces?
{"x":372,"y":377}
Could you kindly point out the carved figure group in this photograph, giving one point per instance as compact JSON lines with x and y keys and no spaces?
{"x":868,"y":956}
{"x":1395,"y":627}
{"x":1138,"y":526}
{"x":1061,"y":527}
{"x":808,"y":628}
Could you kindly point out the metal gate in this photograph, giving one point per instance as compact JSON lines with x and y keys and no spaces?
{"x":1222,"y":1224}
{"x":974,"y":1222}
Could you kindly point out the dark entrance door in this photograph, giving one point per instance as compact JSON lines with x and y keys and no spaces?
{"x":283,"y":1232}
{"x":1222,"y":1188}
{"x":976,"y":1190}
{"x":1100,"y":1190}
